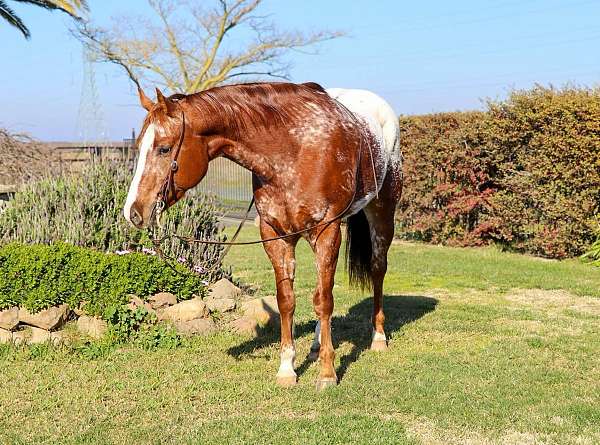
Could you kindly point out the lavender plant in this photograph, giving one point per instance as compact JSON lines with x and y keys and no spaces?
{"x":86,"y":210}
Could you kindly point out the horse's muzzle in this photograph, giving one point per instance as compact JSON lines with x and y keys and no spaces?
{"x":135,"y":218}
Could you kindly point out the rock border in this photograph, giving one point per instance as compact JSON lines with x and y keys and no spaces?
{"x":225,"y":308}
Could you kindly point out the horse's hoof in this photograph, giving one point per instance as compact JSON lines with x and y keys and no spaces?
{"x":326,"y":383}
{"x":379,"y":345}
{"x":286,"y":381}
{"x":313,"y":356}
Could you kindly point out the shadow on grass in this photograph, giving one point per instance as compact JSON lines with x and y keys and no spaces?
{"x":354,"y":327}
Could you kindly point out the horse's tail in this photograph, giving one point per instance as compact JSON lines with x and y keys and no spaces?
{"x":358,"y":250}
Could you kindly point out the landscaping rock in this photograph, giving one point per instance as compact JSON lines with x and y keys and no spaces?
{"x":9,"y":318}
{"x":48,"y":319}
{"x":224,"y":289}
{"x":38,"y":336}
{"x":20,"y":337}
{"x":264,"y":310}
{"x":221,"y":305}
{"x":6,"y":336}
{"x":162,"y":300}
{"x":136,"y":302}
{"x":185,"y":311}
{"x":92,"y":326}
{"x":245,"y":325}
{"x":198,"y":326}
{"x":43,"y":336}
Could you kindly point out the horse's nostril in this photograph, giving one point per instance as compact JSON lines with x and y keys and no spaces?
{"x":136,"y":218}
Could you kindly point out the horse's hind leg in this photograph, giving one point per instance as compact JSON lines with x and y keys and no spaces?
{"x":380,"y":214}
{"x":326,"y":245}
{"x":282,"y":256}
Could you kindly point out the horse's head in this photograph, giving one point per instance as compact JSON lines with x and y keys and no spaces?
{"x":171,"y":160}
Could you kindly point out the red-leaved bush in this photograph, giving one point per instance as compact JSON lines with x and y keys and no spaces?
{"x":525,"y":173}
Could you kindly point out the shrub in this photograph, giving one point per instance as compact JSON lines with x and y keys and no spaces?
{"x":525,"y":173}
{"x":40,"y":276}
{"x":447,"y":178}
{"x":548,"y":142}
{"x":86,"y":210}
{"x":24,"y":159}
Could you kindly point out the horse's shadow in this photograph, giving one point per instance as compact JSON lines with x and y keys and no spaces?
{"x":354,"y":327}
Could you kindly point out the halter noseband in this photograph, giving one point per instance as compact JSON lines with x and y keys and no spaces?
{"x":169,"y":186}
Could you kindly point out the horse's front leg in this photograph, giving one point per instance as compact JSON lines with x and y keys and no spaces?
{"x":326,"y":245}
{"x":282,"y":256}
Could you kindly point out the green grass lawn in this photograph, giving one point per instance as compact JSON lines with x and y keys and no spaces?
{"x":485,"y":347}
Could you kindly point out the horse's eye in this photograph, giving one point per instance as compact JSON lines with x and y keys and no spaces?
{"x":164,"y":150}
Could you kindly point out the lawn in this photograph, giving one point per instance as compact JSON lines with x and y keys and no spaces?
{"x":485,"y":347}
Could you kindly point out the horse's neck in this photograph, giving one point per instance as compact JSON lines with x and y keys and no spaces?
{"x":249,"y":155}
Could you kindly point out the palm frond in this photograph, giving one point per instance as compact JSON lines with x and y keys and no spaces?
{"x":71,"y":7}
{"x":13,"y":19}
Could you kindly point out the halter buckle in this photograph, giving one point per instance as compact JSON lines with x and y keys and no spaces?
{"x":174,"y":165}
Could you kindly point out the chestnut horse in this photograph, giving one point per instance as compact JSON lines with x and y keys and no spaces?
{"x":314,"y":159}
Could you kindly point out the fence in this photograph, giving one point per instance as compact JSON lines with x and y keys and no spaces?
{"x":230,"y":184}
{"x":227,"y":181}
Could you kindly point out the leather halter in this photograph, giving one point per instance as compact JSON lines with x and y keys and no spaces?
{"x":169,"y":187}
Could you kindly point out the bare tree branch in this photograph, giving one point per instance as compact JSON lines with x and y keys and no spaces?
{"x":188,"y":49}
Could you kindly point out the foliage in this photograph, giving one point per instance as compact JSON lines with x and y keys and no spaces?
{"x":86,"y":210}
{"x":184,"y":47}
{"x":72,"y":7}
{"x":447,"y":178}
{"x":548,"y":143}
{"x":139,"y":326}
{"x":525,"y":173}
{"x":40,"y":276}
{"x":593,"y":254}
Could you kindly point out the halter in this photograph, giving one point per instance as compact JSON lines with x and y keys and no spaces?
{"x":169,"y":186}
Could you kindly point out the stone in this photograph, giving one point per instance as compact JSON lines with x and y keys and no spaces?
{"x":162,"y":300}
{"x":20,"y":337}
{"x":80,"y":310}
{"x":39,"y":336}
{"x":9,"y":318}
{"x":136,"y":302}
{"x":185,"y":311}
{"x":92,"y":326}
{"x":224,"y":289}
{"x":48,"y":319}
{"x":264,"y":310}
{"x":6,"y":336}
{"x":43,"y":336}
{"x":245,"y":325}
{"x":57,"y":337}
{"x":198,"y":326}
{"x":221,"y":305}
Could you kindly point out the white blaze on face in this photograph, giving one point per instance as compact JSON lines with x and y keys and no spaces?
{"x":146,"y":146}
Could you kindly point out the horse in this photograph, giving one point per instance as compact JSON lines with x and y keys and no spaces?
{"x":315,"y":160}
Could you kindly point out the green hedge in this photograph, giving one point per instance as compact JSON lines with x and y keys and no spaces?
{"x":525,"y":173}
{"x":40,"y":276}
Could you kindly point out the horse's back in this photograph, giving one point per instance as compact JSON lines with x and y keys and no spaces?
{"x":372,"y":107}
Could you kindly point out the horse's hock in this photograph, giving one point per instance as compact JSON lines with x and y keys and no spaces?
{"x":225,"y":308}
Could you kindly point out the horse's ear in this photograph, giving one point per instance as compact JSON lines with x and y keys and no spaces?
{"x":165,"y":103}
{"x":146,"y":103}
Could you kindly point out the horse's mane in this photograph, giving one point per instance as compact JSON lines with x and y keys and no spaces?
{"x":244,"y":108}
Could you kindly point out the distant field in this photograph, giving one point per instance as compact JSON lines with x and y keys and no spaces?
{"x":486,"y":347}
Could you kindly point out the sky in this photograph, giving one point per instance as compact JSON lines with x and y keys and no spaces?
{"x":425,"y":56}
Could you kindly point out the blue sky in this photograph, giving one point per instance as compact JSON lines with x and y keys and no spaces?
{"x":421,"y":56}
